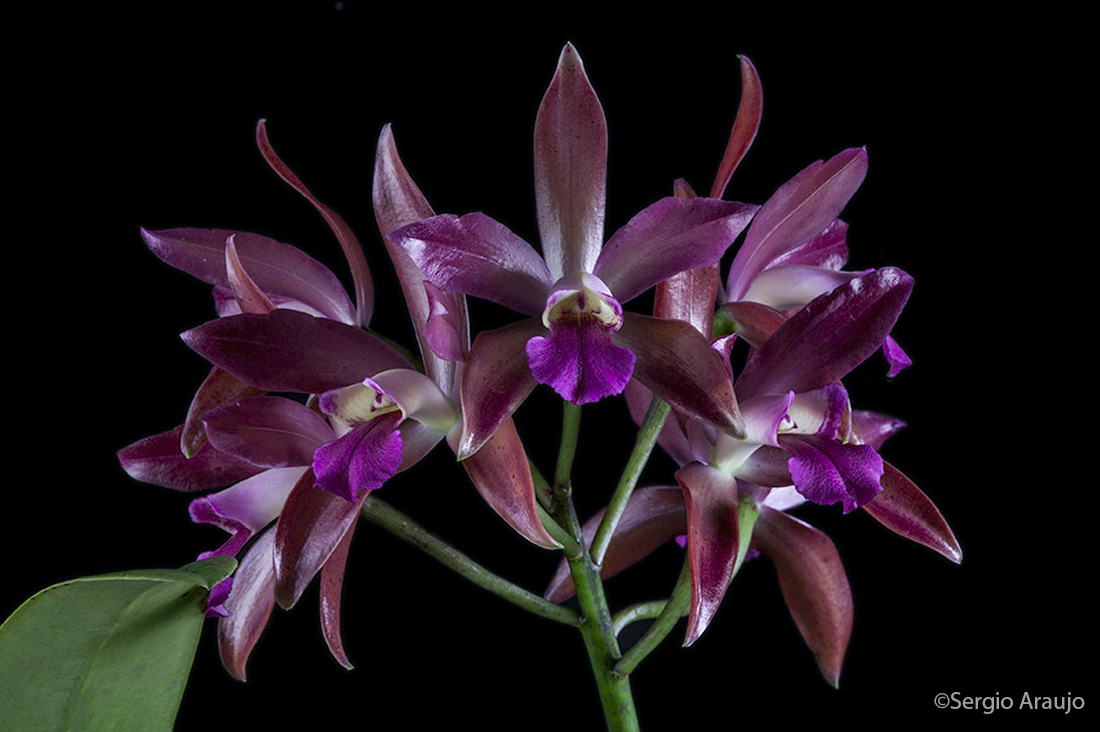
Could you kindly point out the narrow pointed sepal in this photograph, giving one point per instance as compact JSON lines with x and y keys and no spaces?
{"x":159,"y":460}
{"x":676,"y":362}
{"x":312,"y":525}
{"x":220,"y":388}
{"x":502,"y":475}
{"x":814,"y":584}
{"x":332,"y":590}
{"x":249,"y":605}
{"x":745,"y":125}
{"x":570,"y":169}
{"x":712,"y":540}
{"x":904,"y":509}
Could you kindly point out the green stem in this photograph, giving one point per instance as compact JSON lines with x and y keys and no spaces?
{"x":389,"y":518}
{"x":595,"y":627}
{"x":643,"y":446}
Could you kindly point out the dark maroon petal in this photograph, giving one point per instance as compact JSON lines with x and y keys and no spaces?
{"x":398,"y":202}
{"x":653,"y":516}
{"x":904,"y":509}
{"x":570,"y":169}
{"x":579,"y":361}
{"x":814,"y":585}
{"x":826,"y":471}
{"x":158,"y":460}
{"x":801,"y":209}
{"x":249,"y":296}
{"x":332,"y":589}
{"x":475,"y":255}
{"x":362,"y":460}
{"x":668,"y":237}
{"x":754,"y":322}
{"x":829,"y":337}
{"x":689,"y":296}
{"x":277,"y":268}
{"x":353,"y":252}
{"x":677,"y":363}
{"x":445,"y":327}
{"x":711,"y":500}
{"x":502,"y":475}
{"x":249,"y":605}
{"x":829,"y":249}
{"x":268,"y":431}
{"x":312,"y":525}
{"x":749,"y":112}
{"x":220,"y":388}
{"x":495,"y":381}
{"x":291,"y":351}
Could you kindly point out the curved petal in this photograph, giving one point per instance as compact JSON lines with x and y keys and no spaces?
{"x":829,"y":337}
{"x":826,"y":471}
{"x":502,"y":475}
{"x":249,"y":295}
{"x":272,"y":432}
{"x":277,"y":268}
{"x":220,"y":388}
{"x":570,"y":169}
{"x":398,"y":202}
{"x":158,"y":460}
{"x":749,"y":112}
{"x":653,"y":516}
{"x":904,"y":509}
{"x":829,"y":249}
{"x":245,"y":507}
{"x":495,"y":381}
{"x":873,"y":428}
{"x":711,"y":500}
{"x":475,"y":255}
{"x":677,"y":363}
{"x":754,"y":322}
{"x":249,"y":605}
{"x":332,"y":590}
{"x":353,"y":252}
{"x":291,"y":351}
{"x":312,"y":525}
{"x":792,"y":286}
{"x":668,"y":237}
{"x":899,"y":360}
{"x":814,"y":585}
{"x":800,"y":209}
{"x":416,"y":396}
{"x":445,"y":325}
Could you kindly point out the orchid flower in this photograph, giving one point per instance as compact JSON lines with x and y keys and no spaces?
{"x":579,"y":340}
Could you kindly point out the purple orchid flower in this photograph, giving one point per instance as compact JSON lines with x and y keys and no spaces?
{"x":579,"y":340}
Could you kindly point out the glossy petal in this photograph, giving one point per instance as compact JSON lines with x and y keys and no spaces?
{"x":220,"y":388}
{"x":570,"y":169}
{"x":791,"y":287}
{"x":904,"y":509}
{"x":747,"y":122}
{"x":677,"y":363}
{"x":399,"y":202}
{"x":502,"y":475}
{"x":666,"y":238}
{"x":711,"y":499}
{"x":829,"y":249}
{"x":826,"y":471}
{"x":250,"y":297}
{"x":360,"y":461}
{"x":445,"y":327}
{"x":332,"y":590}
{"x":495,"y":381}
{"x":353,"y":252}
{"x":277,"y":268}
{"x":311,"y":527}
{"x":475,"y":255}
{"x":291,"y":351}
{"x":800,"y":209}
{"x":689,"y":296}
{"x":579,"y":361}
{"x":653,"y":516}
{"x":158,"y":460}
{"x":272,"y":432}
{"x":246,"y":507}
{"x":416,"y":396}
{"x":754,"y":322}
{"x":249,"y":605}
{"x":814,"y":585}
{"x":829,"y":337}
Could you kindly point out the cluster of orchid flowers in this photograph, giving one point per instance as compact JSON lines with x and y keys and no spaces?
{"x":754,"y":434}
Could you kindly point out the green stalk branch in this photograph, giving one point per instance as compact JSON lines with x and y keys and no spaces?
{"x":389,"y":518}
{"x":643,"y":447}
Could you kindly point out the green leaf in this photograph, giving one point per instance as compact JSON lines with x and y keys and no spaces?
{"x":110,"y":652}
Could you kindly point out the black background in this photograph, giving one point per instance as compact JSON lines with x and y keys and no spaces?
{"x":147,"y":119}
